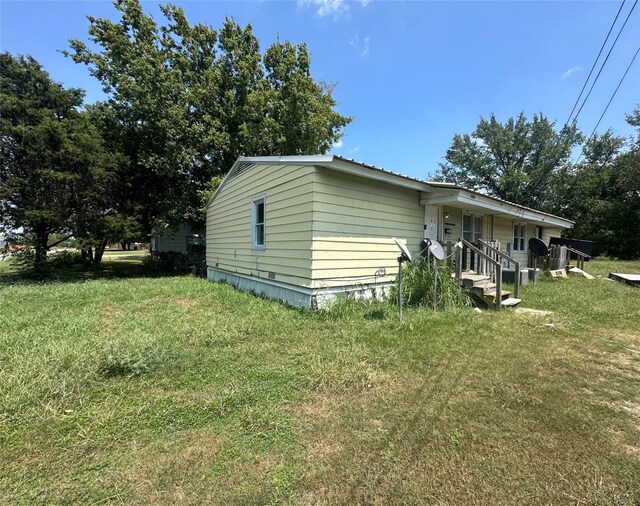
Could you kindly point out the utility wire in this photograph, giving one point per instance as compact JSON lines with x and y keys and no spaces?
{"x":610,"y":100}
{"x":575,"y":119}
{"x":594,"y":63}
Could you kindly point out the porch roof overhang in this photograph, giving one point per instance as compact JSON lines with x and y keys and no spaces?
{"x":477,"y":203}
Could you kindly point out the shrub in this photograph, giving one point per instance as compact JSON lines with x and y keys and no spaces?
{"x":174,"y":262}
{"x":418,"y":284}
{"x":65,"y":259}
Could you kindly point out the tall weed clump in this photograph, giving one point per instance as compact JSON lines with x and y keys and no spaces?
{"x":419,"y":277}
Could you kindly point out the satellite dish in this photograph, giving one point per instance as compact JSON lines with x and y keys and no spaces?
{"x":436,"y":250}
{"x":403,"y":248}
{"x":538,"y":247}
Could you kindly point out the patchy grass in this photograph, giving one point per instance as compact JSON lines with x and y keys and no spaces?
{"x":181,"y":391}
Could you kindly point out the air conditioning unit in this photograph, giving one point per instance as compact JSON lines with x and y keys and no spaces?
{"x":509,"y":276}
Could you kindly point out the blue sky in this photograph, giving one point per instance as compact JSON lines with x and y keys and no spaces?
{"x":411,"y":73}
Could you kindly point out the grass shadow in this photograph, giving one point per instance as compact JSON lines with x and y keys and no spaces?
{"x":109,"y":268}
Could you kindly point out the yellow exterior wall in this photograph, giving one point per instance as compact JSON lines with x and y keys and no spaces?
{"x":354,"y":220}
{"x":288,"y":192}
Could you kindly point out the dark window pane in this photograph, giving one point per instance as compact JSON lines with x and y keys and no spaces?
{"x":260,"y":212}
{"x":260,"y":235}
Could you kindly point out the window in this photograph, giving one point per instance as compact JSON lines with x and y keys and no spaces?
{"x":258,"y":216}
{"x":466,"y":227}
{"x":519,"y":236}
{"x":471,"y":228}
{"x":195,"y":243}
{"x":477,"y":228}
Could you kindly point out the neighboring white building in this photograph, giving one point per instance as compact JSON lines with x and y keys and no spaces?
{"x":183,"y":239}
{"x":302,"y":228}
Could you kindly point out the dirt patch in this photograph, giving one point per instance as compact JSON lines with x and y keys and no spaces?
{"x":109,"y":316}
{"x":163,"y":474}
{"x":184,"y":302}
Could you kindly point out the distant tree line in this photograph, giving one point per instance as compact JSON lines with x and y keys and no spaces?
{"x":530,"y":162}
{"x":184,"y":101}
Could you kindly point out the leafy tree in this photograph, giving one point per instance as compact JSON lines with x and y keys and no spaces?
{"x":584,"y":195}
{"x":519,"y":160}
{"x":188,"y":100}
{"x":52,"y":158}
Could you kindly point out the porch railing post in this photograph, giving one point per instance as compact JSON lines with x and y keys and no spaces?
{"x":498,"y":300}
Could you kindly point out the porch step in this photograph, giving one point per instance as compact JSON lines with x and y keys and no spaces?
{"x":487,"y":285}
{"x":473,"y":280}
{"x":490,"y":295}
{"x":484,"y":290}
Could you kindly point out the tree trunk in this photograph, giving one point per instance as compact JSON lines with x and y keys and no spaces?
{"x":42,"y":238}
{"x":87,"y":255}
{"x":97,"y":258}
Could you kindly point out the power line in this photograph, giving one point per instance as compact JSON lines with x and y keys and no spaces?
{"x":605,"y":61}
{"x":595,"y":62}
{"x":610,"y":100}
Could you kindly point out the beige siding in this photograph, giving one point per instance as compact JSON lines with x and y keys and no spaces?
{"x":453,"y":222}
{"x":354,"y":220}
{"x":174,"y":239}
{"x":288,"y":217}
{"x":548,"y":233}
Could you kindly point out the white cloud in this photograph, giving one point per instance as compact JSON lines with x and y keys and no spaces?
{"x":335,"y":8}
{"x":361,"y":45}
{"x":354,"y":149}
{"x":338,"y":144}
{"x":570,"y":72}
{"x":365,"y":50}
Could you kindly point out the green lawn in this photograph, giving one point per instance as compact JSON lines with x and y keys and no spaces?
{"x":180,"y":391}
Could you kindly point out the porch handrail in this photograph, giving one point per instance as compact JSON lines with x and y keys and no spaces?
{"x":581,"y":256}
{"x":504,"y":256}
{"x":494,"y":262}
{"x":578,"y":252}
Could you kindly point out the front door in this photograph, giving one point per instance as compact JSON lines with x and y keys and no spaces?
{"x":431,"y":222}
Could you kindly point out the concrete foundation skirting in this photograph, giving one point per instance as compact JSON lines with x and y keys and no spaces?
{"x":298,"y":296}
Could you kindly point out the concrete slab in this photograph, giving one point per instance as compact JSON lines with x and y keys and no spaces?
{"x":630,"y":279}
{"x":526,"y":310}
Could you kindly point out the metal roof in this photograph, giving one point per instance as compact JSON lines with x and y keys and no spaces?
{"x":328,"y":161}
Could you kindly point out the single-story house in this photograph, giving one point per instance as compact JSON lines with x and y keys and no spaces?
{"x":304,"y":228}
{"x":183,"y":238}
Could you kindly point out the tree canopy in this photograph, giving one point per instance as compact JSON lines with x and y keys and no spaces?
{"x":187,"y":100}
{"x":54,"y":169}
{"x":529,"y":162}
{"x":518,"y":160}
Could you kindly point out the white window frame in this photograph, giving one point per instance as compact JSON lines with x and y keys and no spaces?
{"x":519,"y":237}
{"x":260,"y":199}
